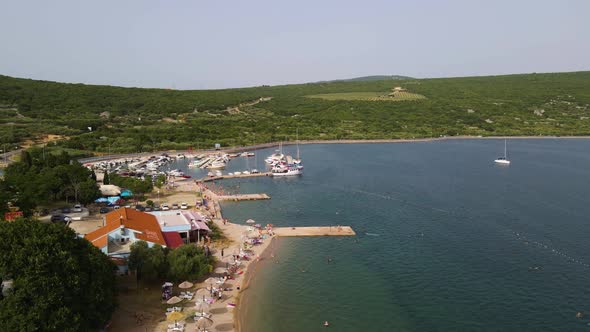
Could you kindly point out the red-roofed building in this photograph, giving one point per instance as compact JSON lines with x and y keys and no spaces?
{"x":173,"y":239}
{"x":122,"y":228}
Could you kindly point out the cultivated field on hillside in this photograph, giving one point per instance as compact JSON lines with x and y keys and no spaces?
{"x":116,"y":119}
{"x":369,"y":96}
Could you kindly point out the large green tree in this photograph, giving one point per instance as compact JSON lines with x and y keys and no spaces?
{"x":61,"y":281}
{"x":137,"y":186}
{"x":188,"y":262}
{"x":42,"y":178}
{"x":149,"y":263}
{"x":4,"y":197}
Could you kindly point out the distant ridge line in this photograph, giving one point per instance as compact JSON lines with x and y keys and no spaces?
{"x":371,"y":78}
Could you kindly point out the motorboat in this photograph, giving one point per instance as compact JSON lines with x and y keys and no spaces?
{"x":217,"y":164}
{"x":283,"y":170}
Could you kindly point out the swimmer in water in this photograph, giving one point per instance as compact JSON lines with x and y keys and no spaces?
{"x":326,"y":324}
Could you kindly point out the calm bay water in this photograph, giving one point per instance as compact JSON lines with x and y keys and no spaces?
{"x":446,"y":240}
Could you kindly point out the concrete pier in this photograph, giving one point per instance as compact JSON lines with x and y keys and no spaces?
{"x":314,"y":231}
{"x":214,"y":178}
{"x":243,"y":197}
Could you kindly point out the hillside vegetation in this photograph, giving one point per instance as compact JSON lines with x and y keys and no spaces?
{"x":134,"y":119}
{"x":371,"y":78}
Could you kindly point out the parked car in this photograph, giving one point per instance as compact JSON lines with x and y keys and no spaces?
{"x":66,"y":209}
{"x":77,"y":208}
{"x":103,"y":210}
{"x":116,"y":207}
{"x":148,"y":209}
{"x":165,"y":207}
{"x":157,"y":208}
{"x":60,"y":218}
{"x":175,"y":206}
{"x":140,"y":207}
{"x":183,"y":206}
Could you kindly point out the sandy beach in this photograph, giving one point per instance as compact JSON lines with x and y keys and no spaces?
{"x":224,"y":317}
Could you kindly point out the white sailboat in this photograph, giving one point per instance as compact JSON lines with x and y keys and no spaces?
{"x":297,"y":161}
{"x":503,"y":160}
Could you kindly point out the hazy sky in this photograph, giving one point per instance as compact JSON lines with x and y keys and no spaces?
{"x":216,"y":43}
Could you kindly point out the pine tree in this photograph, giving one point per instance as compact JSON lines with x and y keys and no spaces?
{"x":105,"y":179}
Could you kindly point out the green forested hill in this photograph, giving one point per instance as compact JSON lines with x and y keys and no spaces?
{"x":134,"y":119}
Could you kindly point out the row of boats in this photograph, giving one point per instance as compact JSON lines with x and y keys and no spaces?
{"x":284,"y":165}
{"x":140,"y":167}
{"x":216,"y":161}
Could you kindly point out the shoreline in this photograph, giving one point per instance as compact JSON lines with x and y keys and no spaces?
{"x":240,"y":314}
{"x":233,"y":232}
{"x":310,"y":142}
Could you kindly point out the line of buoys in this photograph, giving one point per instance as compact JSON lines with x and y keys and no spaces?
{"x":554,"y":251}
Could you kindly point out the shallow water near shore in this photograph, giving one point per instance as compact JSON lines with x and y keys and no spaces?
{"x":446,"y":239}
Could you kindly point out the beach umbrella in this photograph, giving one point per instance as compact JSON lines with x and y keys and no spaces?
{"x":185,"y":285}
{"x":210,"y":280}
{"x":250,"y":221}
{"x":204,"y":322}
{"x":174,"y":316}
{"x":202,"y":306}
{"x":201,"y":291}
{"x":126,"y":193}
{"x":174,"y":300}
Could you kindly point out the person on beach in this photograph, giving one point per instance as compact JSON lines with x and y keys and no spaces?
{"x":221,"y":252}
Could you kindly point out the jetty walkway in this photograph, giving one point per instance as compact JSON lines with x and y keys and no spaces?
{"x":243,"y":197}
{"x":252,"y":175}
{"x":314,"y":231}
{"x":279,"y":231}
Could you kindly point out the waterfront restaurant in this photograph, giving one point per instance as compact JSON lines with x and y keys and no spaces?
{"x":190,"y":225}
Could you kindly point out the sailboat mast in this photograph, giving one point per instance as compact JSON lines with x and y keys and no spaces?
{"x":297,"y":143}
{"x":505,"y":155}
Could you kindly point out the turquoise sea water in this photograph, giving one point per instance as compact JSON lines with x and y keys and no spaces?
{"x":447,"y":240}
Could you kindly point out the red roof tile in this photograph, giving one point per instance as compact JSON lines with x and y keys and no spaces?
{"x":146,"y":224}
{"x":173,"y":239}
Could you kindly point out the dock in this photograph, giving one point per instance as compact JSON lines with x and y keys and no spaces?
{"x":314,"y":231}
{"x":243,"y":197}
{"x":252,"y":175}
